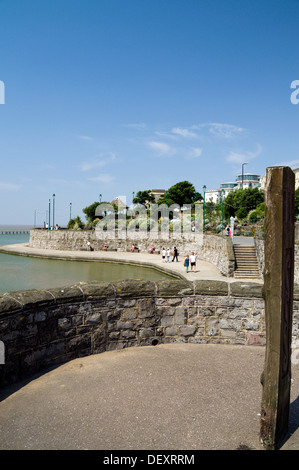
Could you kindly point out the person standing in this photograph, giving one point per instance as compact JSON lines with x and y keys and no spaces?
{"x":193,"y":261}
{"x":163,"y":255}
{"x":168,"y":255}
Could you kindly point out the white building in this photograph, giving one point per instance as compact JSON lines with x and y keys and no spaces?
{"x":247,"y":180}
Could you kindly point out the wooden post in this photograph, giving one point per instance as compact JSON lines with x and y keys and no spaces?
{"x":278,"y":293}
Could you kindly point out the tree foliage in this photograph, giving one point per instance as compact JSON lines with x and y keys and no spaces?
{"x":238,"y":203}
{"x":144,"y":197}
{"x":180,"y":193}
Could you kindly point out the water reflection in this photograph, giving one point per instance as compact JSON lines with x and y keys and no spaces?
{"x":18,"y":272}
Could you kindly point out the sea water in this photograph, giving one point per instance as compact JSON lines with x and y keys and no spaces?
{"x":22,"y":272}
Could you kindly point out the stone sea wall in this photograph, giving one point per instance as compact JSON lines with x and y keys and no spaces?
{"x":216,"y":250}
{"x":42,"y":328}
{"x":260,"y":247}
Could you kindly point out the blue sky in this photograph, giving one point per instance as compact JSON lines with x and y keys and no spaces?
{"x":114,"y":96}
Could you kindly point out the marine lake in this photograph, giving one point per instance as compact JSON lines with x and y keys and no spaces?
{"x":22,"y":272}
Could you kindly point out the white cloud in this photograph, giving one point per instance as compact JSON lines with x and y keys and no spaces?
{"x":9,"y":186}
{"x":183,"y":132}
{"x":241,"y":157}
{"x":161,"y":148}
{"x":86,"y":166}
{"x":84,"y":137}
{"x":92,"y":165}
{"x":222,"y":130}
{"x":195,"y":152}
{"x":136,"y":126}
{"x":103,"y":178}
{"x":291,"y":163}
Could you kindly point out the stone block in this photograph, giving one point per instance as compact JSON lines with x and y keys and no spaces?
{"x":132,"y":288}
{"x":171,"y":331}
{"x":187,"y":330}
{"x":68,"y":294}
{"x":97,"y":290}
{"x":180,"y":315}
{"x":207,"y":287}
{"x":212,"y":326}
{"x":174,"y":288}
{"x":246,"y":289}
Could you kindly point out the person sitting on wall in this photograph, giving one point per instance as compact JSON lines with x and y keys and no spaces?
{"x":152,"y":249}
{"x":132,"y":248}
{"x":106,"y":247}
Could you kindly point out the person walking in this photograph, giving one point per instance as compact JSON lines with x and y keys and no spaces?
{"x":175,"y":254}
{"x":186,"y":263}
{"x":163,"y":255}
{"x":168,"y":255}
{"x":193,"y":261}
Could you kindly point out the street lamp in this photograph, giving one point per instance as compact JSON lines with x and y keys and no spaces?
{"x":100,"y":196}
{"x":70,"y":210}
{"x":49,"y":224}
{"x":204,"y":205}
{"x":243,"y":172}
{"x":222,"y":193}
{"x":53,"y":209}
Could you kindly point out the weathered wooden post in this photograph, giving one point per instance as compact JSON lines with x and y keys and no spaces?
{"x":278,"y":294}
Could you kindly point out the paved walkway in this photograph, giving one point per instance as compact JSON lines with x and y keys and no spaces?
{"x":172,"y":396}
{"x":204,"y":270}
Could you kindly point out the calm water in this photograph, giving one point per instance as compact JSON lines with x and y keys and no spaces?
{"x":20,"y":272}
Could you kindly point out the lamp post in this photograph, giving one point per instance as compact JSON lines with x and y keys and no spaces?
{"x":53,"y":209}
{"x":222,"y":192}
{"x":70,"y":210}
{"x":243,"y":172}
{"x":49,"y":214}
{"x":204,"y":205}
{"x":100,"y":196}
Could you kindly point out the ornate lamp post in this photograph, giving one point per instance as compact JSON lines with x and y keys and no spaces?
{"x":49,"y":214}
{"x":204,"y":205}
{"x":53,"y":209}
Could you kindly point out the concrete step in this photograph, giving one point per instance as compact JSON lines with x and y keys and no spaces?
{"x":246,"y":262}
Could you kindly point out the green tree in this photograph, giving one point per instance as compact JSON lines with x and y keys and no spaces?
{"x":89,"y":211}
{"x":75,"y":224}
{"x":144,"y":198}
{"x":180,"y":193}
{"x":239,"y":202}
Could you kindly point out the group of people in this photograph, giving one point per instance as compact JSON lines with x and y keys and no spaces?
{"x":190,"y":261}
{"x":167,"y":253}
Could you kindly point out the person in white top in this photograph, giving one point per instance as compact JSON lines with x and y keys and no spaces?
{"x":193,"y":261}
{"x":168,"y":255}
{"x":163,"y":255}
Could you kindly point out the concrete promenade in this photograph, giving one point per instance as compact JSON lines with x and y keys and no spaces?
{"x":204,"y":269}
{"x":174,"y":397}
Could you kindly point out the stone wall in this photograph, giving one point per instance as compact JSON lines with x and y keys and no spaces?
{"x":41,"y":328}
{"x":260,"y":247}
{"x":214,"y":249}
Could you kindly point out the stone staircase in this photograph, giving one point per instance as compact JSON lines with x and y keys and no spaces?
{"x":246,"y":262}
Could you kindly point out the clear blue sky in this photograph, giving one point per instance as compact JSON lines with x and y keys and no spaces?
{"x":116,"y":96}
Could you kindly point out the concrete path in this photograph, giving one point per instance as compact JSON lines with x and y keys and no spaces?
{"x":171,"y":397}
{"x":204,"y":270}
